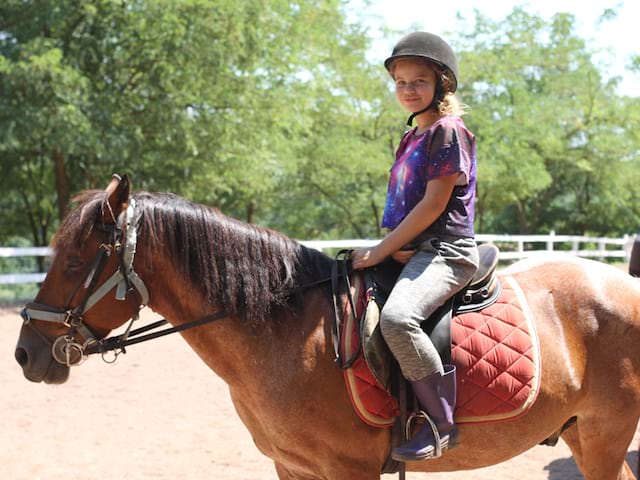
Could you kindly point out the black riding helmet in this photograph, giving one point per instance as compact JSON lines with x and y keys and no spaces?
{"x":430,"y":47}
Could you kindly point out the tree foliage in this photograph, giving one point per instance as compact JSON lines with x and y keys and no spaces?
{"x":272,"y":112}
{"x":557,"y":143}
{"x":216,"y":100}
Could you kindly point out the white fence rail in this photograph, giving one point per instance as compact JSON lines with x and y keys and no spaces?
{"x":513,"y":247}
{"x":17,"y":278}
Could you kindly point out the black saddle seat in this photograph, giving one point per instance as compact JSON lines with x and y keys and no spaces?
{"x":489,"y":254}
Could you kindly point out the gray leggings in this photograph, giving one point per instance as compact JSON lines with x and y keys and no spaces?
{"x":441,"y":267}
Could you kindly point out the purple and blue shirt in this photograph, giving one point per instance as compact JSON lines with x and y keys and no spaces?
{"x":446,"y":148}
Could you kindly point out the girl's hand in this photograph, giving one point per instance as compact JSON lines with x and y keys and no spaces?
{"x":403,"y":256}
{"x":365,"y":257}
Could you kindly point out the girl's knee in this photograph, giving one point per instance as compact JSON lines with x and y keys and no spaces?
{"x":394,"y":323}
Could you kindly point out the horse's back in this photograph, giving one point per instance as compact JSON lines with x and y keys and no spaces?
{"x":587,"y":314}
{"x":570,"y":277}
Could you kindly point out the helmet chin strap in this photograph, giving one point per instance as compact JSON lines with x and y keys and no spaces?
{"x":439,"y":95}
{"x":419,"y":112}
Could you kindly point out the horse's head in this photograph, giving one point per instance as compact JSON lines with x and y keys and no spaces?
{"x":91,"y":287}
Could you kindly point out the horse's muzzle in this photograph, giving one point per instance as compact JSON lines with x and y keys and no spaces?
{"x":34,"y":355}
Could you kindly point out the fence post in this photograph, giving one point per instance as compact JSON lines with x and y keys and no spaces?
{"x":575,"y":246}
{"x":628,"y":246}
{"x":602,"y":248}
{"x":552,"y":234}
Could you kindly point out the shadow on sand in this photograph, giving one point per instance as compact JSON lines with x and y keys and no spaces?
{"x":566,"y":468}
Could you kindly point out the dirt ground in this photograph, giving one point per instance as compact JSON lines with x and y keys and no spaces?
{"x":160,"y":413}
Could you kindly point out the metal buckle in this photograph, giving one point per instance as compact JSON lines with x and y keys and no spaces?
{"x":107,"y":247}
{"x":71,"y":320}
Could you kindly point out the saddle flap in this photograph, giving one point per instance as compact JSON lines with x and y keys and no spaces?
{"x":375,"y":350}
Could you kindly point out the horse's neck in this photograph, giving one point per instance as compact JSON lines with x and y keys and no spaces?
{"x":234,"y":350}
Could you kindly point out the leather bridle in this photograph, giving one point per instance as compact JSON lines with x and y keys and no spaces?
{"x":122,"y":242}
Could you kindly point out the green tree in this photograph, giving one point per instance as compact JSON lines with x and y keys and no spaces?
{"x":272,"y":112}
{"x":555,"y":139}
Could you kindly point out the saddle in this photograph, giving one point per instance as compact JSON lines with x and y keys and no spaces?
{"x":482,"y":291}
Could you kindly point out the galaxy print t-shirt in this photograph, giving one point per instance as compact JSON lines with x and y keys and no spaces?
{"x":445,"y":148}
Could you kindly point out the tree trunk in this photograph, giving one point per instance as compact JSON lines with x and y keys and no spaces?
{"x":251,"y":208}
{"x":62,"y":184}
{"x":376,"y":216}
{"x":522,"y":218}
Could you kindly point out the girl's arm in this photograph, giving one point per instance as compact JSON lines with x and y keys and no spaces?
{"x":423,"y":214}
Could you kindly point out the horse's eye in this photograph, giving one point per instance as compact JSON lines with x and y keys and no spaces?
{"x":74,"y":264}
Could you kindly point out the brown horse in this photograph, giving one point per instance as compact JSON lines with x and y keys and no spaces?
{"x":272,"y":341}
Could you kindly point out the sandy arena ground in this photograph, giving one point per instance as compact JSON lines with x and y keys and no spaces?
{"x":160,"y":413}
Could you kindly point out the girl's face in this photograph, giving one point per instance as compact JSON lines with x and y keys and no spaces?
{"x":415,"y":83}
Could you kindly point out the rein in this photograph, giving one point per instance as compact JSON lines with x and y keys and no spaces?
{"x":119,"y":343}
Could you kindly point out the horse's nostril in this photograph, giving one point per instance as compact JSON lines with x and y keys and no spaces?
{"x":22,"y":357}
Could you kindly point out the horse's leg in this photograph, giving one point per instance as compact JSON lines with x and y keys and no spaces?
{"x":599,"y":447}
{"x":572,"y":439}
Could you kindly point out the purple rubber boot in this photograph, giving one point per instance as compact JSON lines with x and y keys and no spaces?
{"x":436,"y":396}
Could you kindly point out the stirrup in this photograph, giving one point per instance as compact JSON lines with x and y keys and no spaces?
{"x":439,"y":444}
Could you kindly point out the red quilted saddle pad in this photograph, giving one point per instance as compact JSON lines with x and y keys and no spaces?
{"x":496,"y":354}
{"x":372,"y":402}
{"x":497,"y":358}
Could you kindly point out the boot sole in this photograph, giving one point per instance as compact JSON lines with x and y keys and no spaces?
{"x":452,"y":442}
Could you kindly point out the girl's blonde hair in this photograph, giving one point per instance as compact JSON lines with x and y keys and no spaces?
{"x":449,"y":104}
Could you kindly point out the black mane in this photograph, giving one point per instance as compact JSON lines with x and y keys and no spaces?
{"x":250,"y":271}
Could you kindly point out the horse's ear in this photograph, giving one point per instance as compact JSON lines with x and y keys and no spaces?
{"x":118,"y":192}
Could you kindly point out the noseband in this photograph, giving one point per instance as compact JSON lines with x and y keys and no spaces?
{"x":66,"y":349}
